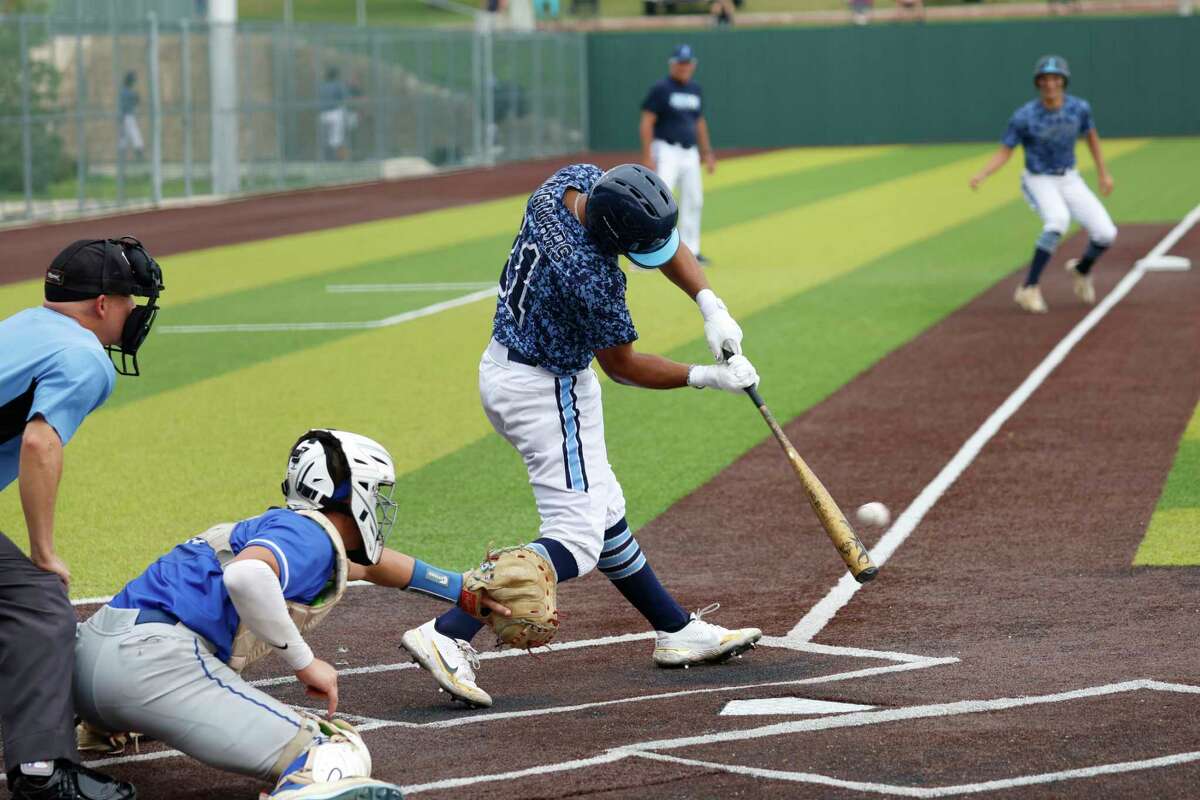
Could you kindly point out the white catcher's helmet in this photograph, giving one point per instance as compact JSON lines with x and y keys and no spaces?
{"x":345,"y":472}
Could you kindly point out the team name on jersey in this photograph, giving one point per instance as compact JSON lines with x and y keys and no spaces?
{"x":683,"y":101}
{"x":554,"y":237}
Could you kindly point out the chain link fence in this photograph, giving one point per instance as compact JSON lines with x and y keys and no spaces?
{"x":102,"y":112}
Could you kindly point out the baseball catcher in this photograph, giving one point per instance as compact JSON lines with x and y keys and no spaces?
{"x":164,"y":657}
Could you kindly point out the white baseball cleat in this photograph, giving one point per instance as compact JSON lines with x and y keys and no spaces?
{"x":1030,"y":299}
{"x":1084,"y":289}
{"x":452,"y":662}
{"x":701,"y":641}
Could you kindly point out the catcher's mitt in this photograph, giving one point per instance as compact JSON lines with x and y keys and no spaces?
{"x":522,"y":580}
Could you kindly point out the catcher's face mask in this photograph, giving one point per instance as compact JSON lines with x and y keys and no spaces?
{"x":146,"y":281}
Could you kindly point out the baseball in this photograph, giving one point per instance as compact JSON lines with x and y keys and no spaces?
{"x":876,"y":514}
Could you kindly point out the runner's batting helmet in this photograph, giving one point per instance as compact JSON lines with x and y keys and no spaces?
{"x":631,"y":211}
{"x":1052,"y":65}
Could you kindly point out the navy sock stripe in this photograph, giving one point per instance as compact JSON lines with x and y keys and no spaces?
{"x":617,"y":527}
{"x":564,"y":563}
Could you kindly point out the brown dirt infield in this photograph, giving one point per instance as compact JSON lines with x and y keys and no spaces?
{"x":1021,"y":571}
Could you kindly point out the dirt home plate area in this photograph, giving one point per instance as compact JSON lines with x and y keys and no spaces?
{"x":1007,"y":647}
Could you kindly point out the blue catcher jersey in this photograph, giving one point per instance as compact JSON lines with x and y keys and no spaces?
{"x":561,"y":297}
{"x":1049,"y":136}
{"x":188,"y":583}
{"x":51,"y":366}
{"x":677,"y":109}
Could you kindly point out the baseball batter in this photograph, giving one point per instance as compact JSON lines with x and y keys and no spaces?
{"x":164,"y":657}
{"x":1047,"y":128}
{"x":562,"y":303}
{"x":674,"y":137}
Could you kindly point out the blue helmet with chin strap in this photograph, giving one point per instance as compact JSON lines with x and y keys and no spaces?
{"x":631,"y":211}
{"x":1052,"y":65}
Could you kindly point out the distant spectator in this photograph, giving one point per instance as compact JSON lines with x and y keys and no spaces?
{"x":861,"y":11}
{"x":910,"y":9}
{"x":127,"y":103}
{"x":331,"y":97}
{"x":722,"y":11}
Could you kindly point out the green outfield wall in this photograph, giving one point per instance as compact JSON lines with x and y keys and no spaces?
{"x":902,"y":82}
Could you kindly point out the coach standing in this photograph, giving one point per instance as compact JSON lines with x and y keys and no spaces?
{"x":672,"y":126}
{"x":54,"y":372}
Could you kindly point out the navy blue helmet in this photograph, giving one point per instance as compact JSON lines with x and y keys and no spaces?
{"x":1052,"y":65}
{"x":631,"y":211}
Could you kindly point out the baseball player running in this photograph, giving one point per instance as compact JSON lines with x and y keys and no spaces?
{"x":671,"y":127}
{"x":561,"y":303}
{"x":164,"y":657}
{"x":1047,"y":128}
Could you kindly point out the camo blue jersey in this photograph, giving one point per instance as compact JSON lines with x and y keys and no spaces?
{"x":562,"y":298}
{"x":1049,"y":136}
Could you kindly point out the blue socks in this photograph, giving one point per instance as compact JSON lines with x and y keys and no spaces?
{"x":1093,"y":252}
{"x":1040,"y":259}
{"x":623,"y":562}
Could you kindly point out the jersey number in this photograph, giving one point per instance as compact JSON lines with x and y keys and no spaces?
{"x":514,"y":279}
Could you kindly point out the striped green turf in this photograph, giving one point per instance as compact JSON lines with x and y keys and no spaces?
{"x":835,"y":263}
{"x":1173,"y":538}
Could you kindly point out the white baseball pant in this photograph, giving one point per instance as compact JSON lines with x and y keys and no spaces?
{"x":679,"y":167}
{"x":1059,"y":198}
{"x":557,"y":425}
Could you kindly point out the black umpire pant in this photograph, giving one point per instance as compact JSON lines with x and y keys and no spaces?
{"x":37,"y":661}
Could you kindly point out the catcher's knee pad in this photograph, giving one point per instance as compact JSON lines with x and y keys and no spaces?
{"x":332,"y":750}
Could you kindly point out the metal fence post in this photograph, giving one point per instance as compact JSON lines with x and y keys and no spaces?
{"x":80,"y":130}
{"x":156,"y":180}
{"x":26,"y":133}
{"x":585,"y":133}
{"x":378,"y":96}
{"x":185,"y":77}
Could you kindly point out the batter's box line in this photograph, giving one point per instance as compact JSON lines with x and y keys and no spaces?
{"x":781,"y":642}
{"x":857,"y":719}
{"x":366,"y":724}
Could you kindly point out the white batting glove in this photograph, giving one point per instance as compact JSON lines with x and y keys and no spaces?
{"x":734,"y":376}
{"x":720,"y":329}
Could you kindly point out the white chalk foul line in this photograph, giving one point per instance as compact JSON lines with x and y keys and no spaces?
{"x":820,"y":614}
{"x":373,"y":288}
{"x":936,"y":791}
{"x":858,"y":719}
{"x":364,"y":325}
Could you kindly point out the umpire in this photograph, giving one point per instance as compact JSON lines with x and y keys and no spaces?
{"x":54,"y":372}
{"x":672,"y":126}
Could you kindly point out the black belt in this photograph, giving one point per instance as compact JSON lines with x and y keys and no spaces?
{"x":513,"y":355}
{"x":1057,"y":172}
{"x":679,"y":144}
{"x":146,"y":615}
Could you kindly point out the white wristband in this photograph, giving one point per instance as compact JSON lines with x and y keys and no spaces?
{"x":709,"y":303}
{"x":698,"y":376}
{"x":254,"y":589}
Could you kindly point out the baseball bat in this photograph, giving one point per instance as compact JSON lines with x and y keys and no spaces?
{"x":857,"y":559}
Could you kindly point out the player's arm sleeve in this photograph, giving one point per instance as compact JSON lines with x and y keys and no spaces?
{"x":303,"y":553}
{"x":79,"y":383}
{"x":1085,"y":119}
{"x":1012,"y":134}
{"x":602,"y":309}
{"x":256,"y":595}
{"x":655,"y":101}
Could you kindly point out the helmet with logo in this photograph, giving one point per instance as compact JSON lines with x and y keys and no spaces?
{"x":1052,"y":65}
{"x":341,"y":471}
{"x":631,"y":211}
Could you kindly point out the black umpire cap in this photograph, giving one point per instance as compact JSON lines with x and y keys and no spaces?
{"x":88,"y":268}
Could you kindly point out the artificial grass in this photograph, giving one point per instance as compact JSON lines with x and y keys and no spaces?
{"x":825,"y":272}
{"x":1173,"y":537}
